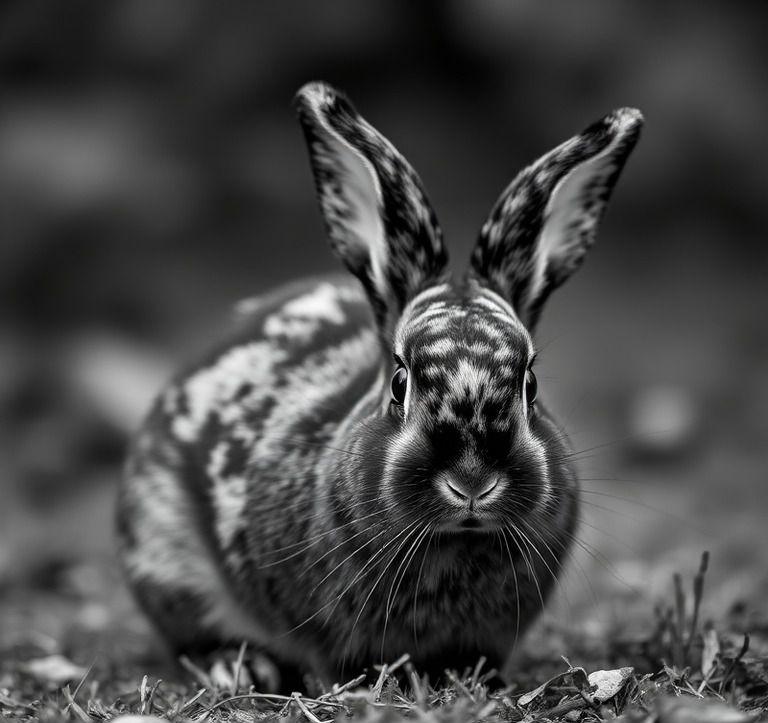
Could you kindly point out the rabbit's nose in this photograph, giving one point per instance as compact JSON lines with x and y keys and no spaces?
{"x":461,"y":490}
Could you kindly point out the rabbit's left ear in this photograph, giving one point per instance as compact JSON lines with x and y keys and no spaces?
{"x":376,"y":212}
{"x":546,"y":220}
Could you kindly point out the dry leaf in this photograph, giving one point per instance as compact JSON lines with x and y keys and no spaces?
{"x":529,"y":697}
{"x":608,"y":682}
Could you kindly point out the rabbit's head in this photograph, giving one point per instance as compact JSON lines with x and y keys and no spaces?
{"x":453,"y":432}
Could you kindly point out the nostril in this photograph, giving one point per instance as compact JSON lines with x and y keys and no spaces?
{"x":489,"y":487}
{"x":455,"y":489}
{"x":460,"y":492}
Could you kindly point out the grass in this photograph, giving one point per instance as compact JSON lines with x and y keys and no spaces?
{"x":681,"y":670}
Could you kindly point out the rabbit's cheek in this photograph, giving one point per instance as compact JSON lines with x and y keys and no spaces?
{"x":405,"y":473}
{"x":541,"y":491}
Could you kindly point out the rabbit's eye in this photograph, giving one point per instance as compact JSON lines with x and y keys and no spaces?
{"x":531,"y":387}
{"x":399,"y":385}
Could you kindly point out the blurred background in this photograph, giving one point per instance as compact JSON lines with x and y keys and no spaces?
{"x":152,"y":173}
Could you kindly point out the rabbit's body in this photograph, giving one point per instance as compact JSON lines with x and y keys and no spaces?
{"x":281,"y":493}
{"x":233,"y":513}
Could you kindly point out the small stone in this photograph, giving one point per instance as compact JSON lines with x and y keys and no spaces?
{"x":54,"y":669}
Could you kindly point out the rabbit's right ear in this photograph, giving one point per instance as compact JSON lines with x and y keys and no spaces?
{"x":376,"y":211}
{"x":546,"y":220}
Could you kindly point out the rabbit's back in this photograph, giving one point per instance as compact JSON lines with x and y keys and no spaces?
{"x":230,"y":446}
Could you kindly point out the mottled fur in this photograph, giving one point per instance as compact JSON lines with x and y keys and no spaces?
{"x":278,"y":494}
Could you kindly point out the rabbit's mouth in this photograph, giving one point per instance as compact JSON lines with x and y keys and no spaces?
{"x":470,"y":523}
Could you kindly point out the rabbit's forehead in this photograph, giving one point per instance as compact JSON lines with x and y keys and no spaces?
{"x":467,"y":356}
{"x":444,"y":327}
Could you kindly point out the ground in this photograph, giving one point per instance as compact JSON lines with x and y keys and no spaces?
{"x":74,"y":648}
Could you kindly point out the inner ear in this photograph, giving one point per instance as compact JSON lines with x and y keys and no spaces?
{"x":546,"y":220}
{"x":572,"y":215}
{"x":376,"y":212}
{"x":351,"y":202}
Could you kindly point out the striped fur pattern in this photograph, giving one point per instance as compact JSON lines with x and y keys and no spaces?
{"x":280,"y":492}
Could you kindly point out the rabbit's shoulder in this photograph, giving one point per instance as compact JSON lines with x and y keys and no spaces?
{"x":284,"y":350}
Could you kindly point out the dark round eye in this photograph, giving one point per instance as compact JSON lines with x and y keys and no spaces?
{"x":399,"y":384}
{"x":531,"y":387}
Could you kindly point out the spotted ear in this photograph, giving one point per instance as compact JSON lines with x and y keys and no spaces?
{"x":376,"y":212}
{"x":546,"y":220}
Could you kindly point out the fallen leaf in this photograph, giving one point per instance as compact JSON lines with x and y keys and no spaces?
{"x":608,"y":682}
{"x":54,"y":669}
{"x":529,"y":697}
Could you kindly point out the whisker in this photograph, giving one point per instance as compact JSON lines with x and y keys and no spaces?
{"x":557,"y":562}
{"x":322,"y":535}
{"x":378,"y":553}
{"x":337,"y":599}
{"x":528,"y":563}
{"x":404,"y":565}
{"x":333,"y":549}
{"x":348,"y":558}
{"x":418,"y":581}
{"x":316,"y":539}
{"x":390,"y":562}
{"x":517,"y":588}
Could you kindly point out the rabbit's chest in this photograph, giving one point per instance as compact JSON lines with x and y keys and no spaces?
{"x":465,"y":604}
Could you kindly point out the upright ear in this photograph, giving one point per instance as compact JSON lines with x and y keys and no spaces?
{"x":376,"y":212}
{"x":545,"y":221}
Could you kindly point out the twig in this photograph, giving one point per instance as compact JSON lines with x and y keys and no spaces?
{"x":418,"y":691}
{"x":200,"y":693}
{"x":273,"y":697}
{"x":337,"y":690}
{"x":76,"y":709}
{"x":151,"y":696}
{"x":566,"y":707}
{"x":476,"y":671}
{"x":201,"y":675}
{"x":401,"y":661}
{"x":379,"y":685}
{"x":306,"y":711}
{"x":698,"y":593}
{"x":734,"y":662}
{"x":678,"y":658}
{"x":143,"y":695}
{"x":80,"y":684}
{"x":463,"y":688}
{"x":238,"y":667}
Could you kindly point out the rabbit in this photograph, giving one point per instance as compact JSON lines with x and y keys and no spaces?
{"x":363,"y":467}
